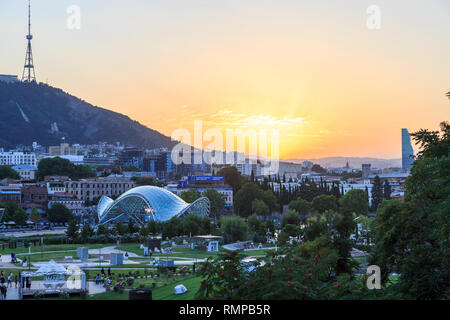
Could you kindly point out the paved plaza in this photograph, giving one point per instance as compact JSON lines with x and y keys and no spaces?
{"x":13,"y":292}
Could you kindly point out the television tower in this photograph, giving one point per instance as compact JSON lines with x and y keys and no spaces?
{"x":28,"y":74}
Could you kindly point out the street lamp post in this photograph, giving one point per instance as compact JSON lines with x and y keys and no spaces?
{"x":29,"y":258}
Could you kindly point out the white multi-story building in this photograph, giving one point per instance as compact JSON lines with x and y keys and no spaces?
{"x":68,"y":200}
{"x":90,"y":189}
{"x":62,"y":149}
{"x":248,"y":167}
{"x":12,"y":158}
{"x":25,"y":171}
{"x":75,"y":159}
{"x":203,"y":183}
{"x":56,"y":187}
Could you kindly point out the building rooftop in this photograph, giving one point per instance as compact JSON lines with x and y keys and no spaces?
{"x":24,"y":167}
{"x":390,"y":175}
{"x":34,"y":190}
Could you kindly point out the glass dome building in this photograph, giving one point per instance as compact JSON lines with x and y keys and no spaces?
{"x":146,"y":203}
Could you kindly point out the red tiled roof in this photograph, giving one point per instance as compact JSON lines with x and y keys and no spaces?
{"x":34,"y":190}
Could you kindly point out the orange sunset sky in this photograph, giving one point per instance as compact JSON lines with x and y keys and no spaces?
{"x":311,"y":69}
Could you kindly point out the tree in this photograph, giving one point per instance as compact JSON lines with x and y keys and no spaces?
{"x":10,"y":210}
{"x":244,"y":197}
{"x":387,"y":236}
{"x":377,"y":193}
{"x":205,"y":224}
{"x":317,"y":168}
{"x":172,"y":228}
{"x":130,"y":169}
{"x":303,"y":272}
{"x":154,"y":227}
{"x":354,"y":201}
{"x":270,"y":200}
{"x":144,"y":231}
{"x":289,"y":230}
{"x":387,"y":190}
{"x":131,"y":227}
{"x":323,"y":202}
{"x":147,"y":181}
{"x":72,"y":229}
{"x":20,"y":217}
{"x":192,"y":225}
{"x":102,"y":230}
{"x":425,"y":231}
{"x":86,"y":232}
{"x":253,"y":223}
{"x":216,"y":201}
{"x":342,"y":225}
{"x":232,"y":177}
{"x":433,"y":144}
{"x":290,"y":217}
{"x":412,"y":238}
{"x":35,"y":216}
{"x":269,"y":226}
{"x":120,"y":228}
{"x":260,"y":208}
{"x":59,"y":213}
{"x":190,"y":195}
{"x":63,"y":167}
{"x":366,"y":230}
{"x":233,"y":228}
{"x":8,"y":172}
{"x":301,"y":206}
{"x":316,"y":226}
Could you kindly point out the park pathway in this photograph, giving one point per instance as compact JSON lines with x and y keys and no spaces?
{"x":109,"y":250}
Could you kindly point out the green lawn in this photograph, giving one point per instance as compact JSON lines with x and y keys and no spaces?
{"x":163,"y":293}
{"x":111,"y":295}
{"x":176,"y":252}
{"x":131,"y":247}
{"x":254,"y":253}
{"x":166,"y":292}
{"x":359,"y":260}
{"x":54,"y":247}
{"x":53,"y":255}
{"x":192,"y":253}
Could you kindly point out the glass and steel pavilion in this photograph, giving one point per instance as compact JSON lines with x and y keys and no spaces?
{"x":146,"y":203}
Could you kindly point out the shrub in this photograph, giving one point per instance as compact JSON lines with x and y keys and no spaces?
{"x":130,"y":281}
{"x":119,"y":287}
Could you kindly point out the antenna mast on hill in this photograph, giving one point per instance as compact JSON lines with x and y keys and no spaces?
{"x":28,"y":74}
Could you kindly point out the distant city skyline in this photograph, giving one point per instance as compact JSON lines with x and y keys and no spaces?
{"x":314,"y":71}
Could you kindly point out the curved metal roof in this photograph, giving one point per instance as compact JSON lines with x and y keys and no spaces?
{"x":165,"y":205}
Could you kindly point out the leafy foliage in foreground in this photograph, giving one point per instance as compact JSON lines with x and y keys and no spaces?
{"x":302,"y":272}
{"x":413,"y":238}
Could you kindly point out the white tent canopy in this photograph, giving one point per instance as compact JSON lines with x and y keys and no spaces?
{"x":56,"y":279}
{"x":51,"y":268}
{"x":179,"y":289}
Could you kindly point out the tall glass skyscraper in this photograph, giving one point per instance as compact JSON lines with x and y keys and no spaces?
{"x":407,"y":150}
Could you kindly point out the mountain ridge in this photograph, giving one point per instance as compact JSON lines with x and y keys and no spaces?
{"x":354,"y":162}
{"x":38,"y":112}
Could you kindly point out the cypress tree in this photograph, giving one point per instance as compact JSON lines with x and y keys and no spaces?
{"x":387,"y":190}
{"x":377,"y":193}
